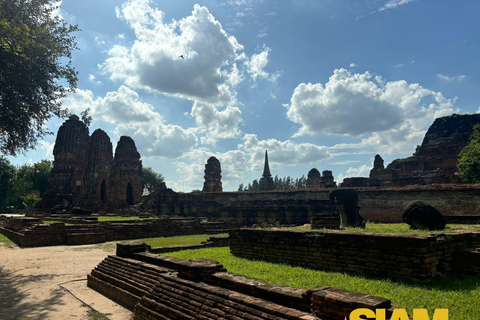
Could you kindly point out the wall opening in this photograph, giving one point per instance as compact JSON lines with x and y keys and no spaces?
{"x":103,"y":192}
{"x":130,"y":194}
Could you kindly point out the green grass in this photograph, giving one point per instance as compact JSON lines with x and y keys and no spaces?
{"x":459,"y":294}
{"x":119,"y":218}
{"x":4,"y":240}
{"x":397,"y":228}
{"x":163,"y":241}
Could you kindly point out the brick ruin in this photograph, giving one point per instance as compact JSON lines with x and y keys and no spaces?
{"x":213,"y":176}
{"x":410,"y":258}
{"x":86,"y":173}
{"x":315,"y":180}
{"x":158,"y":287}
{"x":434,"y":161}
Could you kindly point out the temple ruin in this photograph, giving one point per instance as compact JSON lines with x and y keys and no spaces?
{"x":86,"y":174}
{"x":434,"y":161}
{"x":213,"y":176}
{"x":266,"y":181}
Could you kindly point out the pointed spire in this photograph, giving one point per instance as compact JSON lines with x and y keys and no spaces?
{"x":266,"y":168}
{"x":266,"y":182}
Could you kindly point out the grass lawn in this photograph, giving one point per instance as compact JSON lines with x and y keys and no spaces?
{"x":4,"y":240}
{"x":459,"y":294}
{"x":397,"y":228}
{"x":119,"y":218}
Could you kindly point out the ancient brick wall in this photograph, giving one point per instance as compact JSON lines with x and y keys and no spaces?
{"x":170,"y":288}
{"x":59,"y":234}
{"x":408,"y":258}
{"x":300,"y":206}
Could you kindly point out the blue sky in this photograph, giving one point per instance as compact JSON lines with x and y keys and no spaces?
{"x":319,"y":84}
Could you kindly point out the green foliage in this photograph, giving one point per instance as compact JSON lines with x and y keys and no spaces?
{"x":150,"y":179}
{"x":35,"y":62}
{"x":15,"y":183}
{"x":469,"y":158}
{"x":30,"y":201}
{"x":7,"y":178}
{"x":286,"y":183}
{"x":459,"y":294}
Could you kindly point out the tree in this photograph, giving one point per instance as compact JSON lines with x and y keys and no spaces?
{"x":7,"y":176}
{"x":469,"y":158}
{"x":34,"y":177}
{"x":34,"y":46}
{"x":150,"y":179}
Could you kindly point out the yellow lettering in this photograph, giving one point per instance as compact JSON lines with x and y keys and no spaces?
{"x":355,"y":314}
{"x":422,"y":314}
{"x":399,"y":314}
{"x":381,"y":314}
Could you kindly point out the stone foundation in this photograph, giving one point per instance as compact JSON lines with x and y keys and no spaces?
{"x":36,"y":234}
{"x":157,"y":287}
{"x":409,"y":258}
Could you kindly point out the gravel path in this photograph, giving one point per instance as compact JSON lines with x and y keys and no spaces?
{"x":50,"y":283}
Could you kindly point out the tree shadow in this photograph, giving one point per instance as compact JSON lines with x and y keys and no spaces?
{"x":15,"y":303}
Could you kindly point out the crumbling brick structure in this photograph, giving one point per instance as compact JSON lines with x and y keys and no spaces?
{"x":85,"y":173}
{"x":213,"y":176}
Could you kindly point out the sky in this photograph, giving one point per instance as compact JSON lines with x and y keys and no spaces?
{"x":324,"y":84}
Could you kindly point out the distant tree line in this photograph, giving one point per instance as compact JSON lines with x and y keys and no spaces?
{"x":17,"y":182}
{"x":285,"y":183}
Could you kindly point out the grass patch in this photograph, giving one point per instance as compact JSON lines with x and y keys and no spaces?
{"x":95,"y":315}
{"x":119,"y":218}
{"x":163,"y":241}
{"x":397,"y":228}
{"x":4,"y":240}
{"x":459,"y":294}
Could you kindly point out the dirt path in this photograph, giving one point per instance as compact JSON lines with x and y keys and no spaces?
{"x":49,"y":282}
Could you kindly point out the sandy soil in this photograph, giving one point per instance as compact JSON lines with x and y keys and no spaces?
{"x":51,"y":283}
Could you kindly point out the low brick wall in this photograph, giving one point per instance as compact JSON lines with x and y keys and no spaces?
{"x":407,"y":258}
{"x":171,"y":288}
{"x":467,"y":261}
{"x":33,"y":235}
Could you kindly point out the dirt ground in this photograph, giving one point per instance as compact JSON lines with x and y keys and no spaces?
{"x":51,"y":283}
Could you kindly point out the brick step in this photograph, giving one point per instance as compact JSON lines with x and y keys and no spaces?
{"x":197,"y":298}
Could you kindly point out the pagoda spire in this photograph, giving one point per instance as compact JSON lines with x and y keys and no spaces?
{"x":266,"y":182}
{"x":266,"y":168}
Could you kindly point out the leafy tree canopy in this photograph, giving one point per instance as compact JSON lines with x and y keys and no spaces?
{"x":469,"y":158}
{"x":34,"y":46}
{"x":150,"y":179}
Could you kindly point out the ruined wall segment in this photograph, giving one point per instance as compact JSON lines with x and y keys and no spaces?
{"x":70,"y":156}
{"x":435,"y":160}
{"x":100,"y":159}
{"x":213,"y":176}
{"x":125,"y":177}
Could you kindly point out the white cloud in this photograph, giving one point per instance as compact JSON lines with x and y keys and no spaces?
{"x":281,"y":152}
{"x":392,"y":4}
{"x":136,"y":119}
{"x":389,"y":115}
{"x":362,"y":171}
{"x":257,"y":64}
{"x":216,"y":123}
{"x":352,"y":65}
{"x":92,"y":78}
{"x":153,"y":62}
{"x":47,"y":147}
{"x":448,"y":78}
